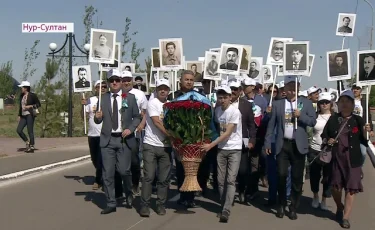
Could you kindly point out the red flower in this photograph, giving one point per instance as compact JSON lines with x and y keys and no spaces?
{"x":124,"y":95}
{"x":355,"y":130}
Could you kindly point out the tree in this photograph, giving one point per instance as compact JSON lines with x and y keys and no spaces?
{"x":30,"y":56}
{"x":6,"y":79}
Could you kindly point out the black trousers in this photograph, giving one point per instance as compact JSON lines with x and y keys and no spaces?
{"x":96,"y":158}
{"x":28,"y":121}
{"x":290,"y":156}
{"x":209,"y":162}
{"x":316,"y":170}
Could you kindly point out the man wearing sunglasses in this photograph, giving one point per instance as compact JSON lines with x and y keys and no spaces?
{"x":120,"y":117}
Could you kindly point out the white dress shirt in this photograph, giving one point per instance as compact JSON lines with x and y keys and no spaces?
{"x":119,"y":105}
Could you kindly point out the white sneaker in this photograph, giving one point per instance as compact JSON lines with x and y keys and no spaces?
{"x":315,"y":202}
{"x":324,"y":206}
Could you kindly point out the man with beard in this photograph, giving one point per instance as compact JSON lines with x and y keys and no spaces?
{"x":277,"y":51}
{"x":337,"y":68}
{"x":253,"y":72}
{"x":231,"y":56}
{"x":82,"y":82}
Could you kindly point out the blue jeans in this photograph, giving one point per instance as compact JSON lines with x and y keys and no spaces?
{"x":272,"y":176}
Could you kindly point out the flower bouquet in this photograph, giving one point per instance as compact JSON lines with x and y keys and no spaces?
{"x":188,"y":120}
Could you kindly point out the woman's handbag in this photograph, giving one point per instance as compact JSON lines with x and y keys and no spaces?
{"x":35,"y":111}
{"x":325,"y":156}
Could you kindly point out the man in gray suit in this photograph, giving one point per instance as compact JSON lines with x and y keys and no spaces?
{"x":120,"y":116}
{"x":291,"y":142}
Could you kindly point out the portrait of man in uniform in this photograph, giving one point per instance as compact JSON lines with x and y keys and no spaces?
{"x":171,"y":52}
{"x":345,"y":24}
{"x":338,"y":65}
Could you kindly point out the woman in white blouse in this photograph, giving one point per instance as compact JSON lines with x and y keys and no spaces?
{"x":324,"y":110}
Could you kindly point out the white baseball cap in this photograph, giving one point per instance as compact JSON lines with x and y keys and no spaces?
{"x":249,"y":81}
{"x":235,"y":83}
{"x":126,"y":73}
{"x":281,"y":84}
{"x":223,"y":82}
{"x":289,"y":78}
{"x":24,"y":84}
{"x":303,"y":93}
{"x":98,"y":82}
{"x":325,"y":96}
{"x":113,"y":73}
{"x":161,"y":82}
{"x":313,"y":90}
{"x":225,"y":88}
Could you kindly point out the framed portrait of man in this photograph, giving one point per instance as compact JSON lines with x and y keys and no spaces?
{"x":245,"y":60}
{"x":197,"y":68}
{"x":255,"y":68}
{"x":211,"y":66}
{"x":155,"y":57}
{"x":171,"y":53}
{"x":127,"y":66}
{"x":276,"y":51}
{"x":140,"y":82}
{"x":230,"y":58}
{"x":168,"y":75}
{"x":311,"y":63}
{"x":153,"y":77}
{"x":338,"y":65}
{"x":296,"y":58}
{"x":82,"y":81}
{"x":267,"y":74}
{"x":102,"y":46}
{"x":345,"y":24}
{"x":365,"y":67}
{"x":280,"y":72}
{"x":108,"y":67}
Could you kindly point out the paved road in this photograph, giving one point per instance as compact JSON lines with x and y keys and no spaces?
{"x":64,"y":200}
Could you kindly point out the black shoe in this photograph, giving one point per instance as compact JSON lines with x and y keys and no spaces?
{"x":144,"y":211}
{"x":129,"y":201}
{"x":241,"y":197}
{"x":345,"y":224}
{"x":160,"y":210}
{"x":29,"y":150}
{"x":108,"y":210}
{"x":191,"y":204}
{"x":293,"y":215}
{"x":224,"y":216}
{"x":280,"y":212}
{"x":182,"y":202}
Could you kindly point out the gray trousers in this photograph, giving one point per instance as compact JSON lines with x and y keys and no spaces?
{"x":160,"y":158}
{"x":228,"y":163}
{"x":116,"y":156}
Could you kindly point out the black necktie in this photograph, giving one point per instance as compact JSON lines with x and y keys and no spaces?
{"x":114,"y":113}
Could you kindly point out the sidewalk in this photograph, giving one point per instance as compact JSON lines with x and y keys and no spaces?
{"x":49,"y":151}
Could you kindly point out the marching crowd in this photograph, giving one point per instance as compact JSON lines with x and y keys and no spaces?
{"x":278,"y":141}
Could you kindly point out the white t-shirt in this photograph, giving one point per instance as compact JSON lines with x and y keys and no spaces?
{"x":321,"y":122}
{"x":153,"y":135}
{"x":231,"y":115}
{"x":140,"y":97}
{"x":358,"y":109}
{"x":93,"y":129}
{"x":152,"y":96}
{"x":289,"y":125}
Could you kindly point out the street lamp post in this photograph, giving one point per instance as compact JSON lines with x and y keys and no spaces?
{"x":52,"y":46}
{"x":372,"y":22}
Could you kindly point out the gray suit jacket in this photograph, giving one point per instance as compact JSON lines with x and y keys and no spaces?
{"x":277,"y":123}
{"x":130,"y":119}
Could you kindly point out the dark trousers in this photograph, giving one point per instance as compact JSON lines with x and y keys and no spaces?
{"x":290,"y":156}
{"x":272,"y":174}
{"x":316,"y":169}
{"x":209,"y":162}
{"x":136,"y":166}
{"x":156,"y":158}
{"x":96,"y":158}
{"x":28,"y":121}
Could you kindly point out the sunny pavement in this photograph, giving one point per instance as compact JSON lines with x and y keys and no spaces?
{"x":64,"y":200}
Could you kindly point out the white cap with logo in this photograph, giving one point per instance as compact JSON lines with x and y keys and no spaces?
{"x":313,"y":90}
{"x":24,"y":84}
{"x":113,"y":73}
{"x":235,"y":83}
{"x":224,"y":88}
{"x":98,"y":82}
{"x":249,"y":81}
{"x":126,"y":73}
{"x":325,"y":96}
{"x":162,"y":81}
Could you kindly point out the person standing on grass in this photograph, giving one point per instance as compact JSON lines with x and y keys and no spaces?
{"x":29,"y":104}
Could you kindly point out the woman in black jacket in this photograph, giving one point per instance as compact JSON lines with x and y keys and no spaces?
{"x":346,"y":154}
{"x":29,"y":103}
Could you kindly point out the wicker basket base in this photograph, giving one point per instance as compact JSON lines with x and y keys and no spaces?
{"x":191,"y":182}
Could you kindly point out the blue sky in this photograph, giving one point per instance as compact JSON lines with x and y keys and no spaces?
{"x":201,"y":24}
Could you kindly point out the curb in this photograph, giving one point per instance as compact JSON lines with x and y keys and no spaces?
{"x":32,"y":171}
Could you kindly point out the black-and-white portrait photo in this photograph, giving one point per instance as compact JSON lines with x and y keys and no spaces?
{"x":155,"y":57}
{"x":296,"y":58}
{"x":334,"y":94}
{"x":345,"y":24}
{"x":280,"y":72}
{"x":102,"y":46}
{"x":171,"y":52}
{"x":197,"y":68}
{"x":82,"y":78}
{"x":276,"y":51}
{"x":140,"y":82}
{"x":267,"y":74}
{"x":230,"y":58}
{"x":338,"y":65}
{"x":311,"y":63}
{"x":127,"y":66}
{"x":153,"y":77}
{"x":167,"y":75}
{"x":211,"y":65}
{"x":255,"y":70}
{"x":366,"y":64}
{"x":108,"y":67}
{"x":245,"y":60}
